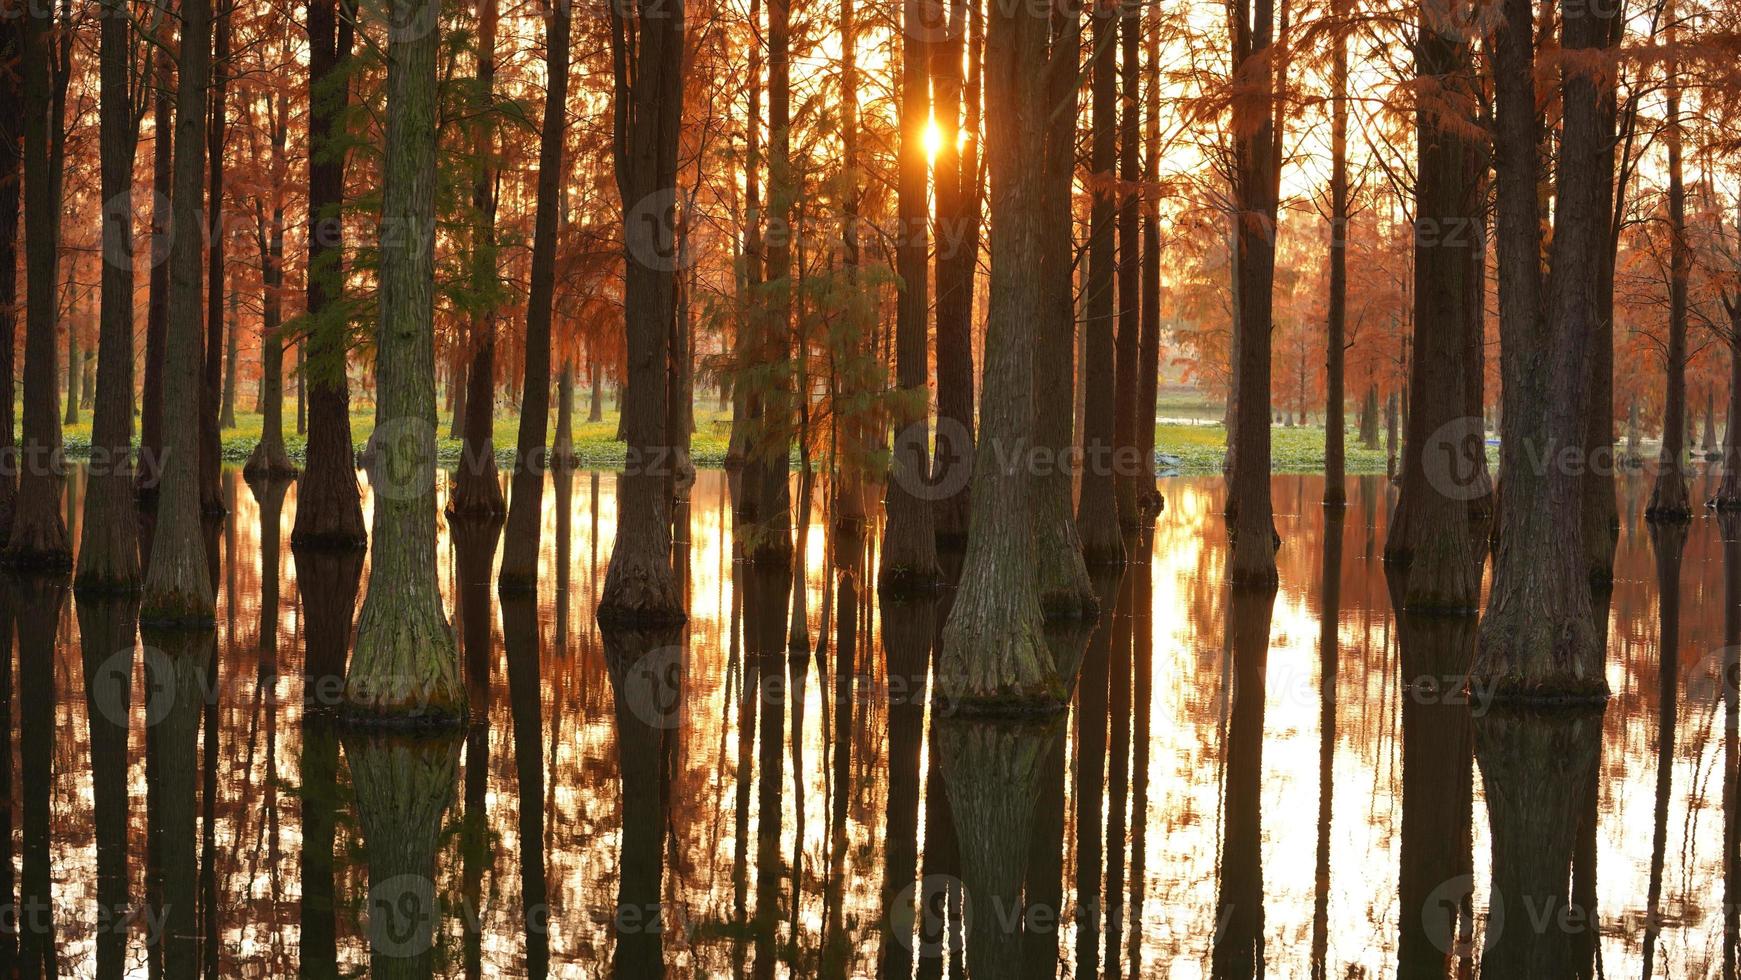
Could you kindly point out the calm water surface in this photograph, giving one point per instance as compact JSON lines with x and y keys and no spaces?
{"x":1240,"y":786}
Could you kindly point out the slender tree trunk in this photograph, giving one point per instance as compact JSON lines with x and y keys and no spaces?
{"x":269,"y":458}
{"x":747,"y":341}
{"x":211,"y":389}
{"x":1065,"y":590}
{"x":1601,"y":499}
{"x":11,"y":161}
{"x":405,"y":666}
{"x":109,"y":544}
{"x":74,"y":374}
{"x":640,"y":586}
{"x":957,"y":266}
{"x":227,"y":419}
{"x":1097,"y":511}
{"x":1429,"y":531}
{"x":477,"y":493}
{"x":1668,"y":498}
{"x":329,"y":511}
{"x":1335,"y":364}
{"x":993,"y":653}
{"x":595,"y":411}
{"x":1255,"y":191}
{"x":858,"y":373}
{"x":157,"y":301}
{"x":39,"y":535}
{"x":1538,"y":639}
{"x":562,"y":455}
{"x":1149,"y":498}
{"x":909,"y":564}
{"x":525,"y":516}
{"x":1125,"y":465}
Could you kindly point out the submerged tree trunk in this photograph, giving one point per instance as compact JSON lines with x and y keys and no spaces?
{"x":525,"y":515}
{"x":993,"y":653}
{"x":640,"y":586}
{"x":1065,"y":590}
{"x":909,"y":564}
{"x":39,"y":536}
{"x":405,"y":667}
{"x":329,"y":512}
{"x":269,"y":459}
{"x":1668,"y":498}
{"x":477,"y":493}
{"x":1255,"y":190}
{"x":1336,"y":355}
{"x":956,"y":178}
{"x":1429,"y":531}
{"x":178,"y":586}
{"x":109,"y":542}
{"x":1097,"y":513}
{"x":1538,"y":640}
{"x":1125,"y":465}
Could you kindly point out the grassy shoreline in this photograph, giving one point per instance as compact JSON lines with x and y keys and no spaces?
{"x":1198,"y":447}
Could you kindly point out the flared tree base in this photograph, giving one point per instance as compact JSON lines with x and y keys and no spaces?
{"x":269,"y":462}
{"x":1669,"y":502}
{"x":404,"y":673}
{"x":639,"y":593}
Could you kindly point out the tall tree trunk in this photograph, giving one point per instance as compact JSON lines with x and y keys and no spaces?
{"x":957,"y":266}
{"x":227,"y":415}
{"x":1125,"y":466}
{"x":909,"y":564}
{"x":1335,"y":364}
{"x":157,"y":298}
{"x":211,"y":390}
{"x":993,"y":652}
{"x":858,"y":373}
{"x":39,"y":535}
{"x":329,"y":512}
{"x":109,"y":543}
{"x":640,"y":586}
{"x":1668,"y":498}
{"x":477,"y":494}
{"x":1429,"y":531}
{"x":1097,"y":509}
{"x":595,"y":410}
{"x":1601,"y":499}
{"x":1538,"y":639}
{"x":269,"y":458}
{"x":11,"y":160}
{"x":107,"y":633}
{"x":562,"y":455}
{"x":1254,"y":240}
{"x":525,"y":516}
{"x":747,"y":339}
{"x":1149,"y":497}
{"x":405,"y":666}
{"x":1065,"y":590}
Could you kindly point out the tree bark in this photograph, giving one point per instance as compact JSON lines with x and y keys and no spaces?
{"x":178,"y":586}
{"x":1335,"y":364}
{"x":477,"y":492}
{"x":405,"y":668}
{"x":1255,"y":192}
{"x":269,"y":459}
{"x":39,"y":535}
{"x":329,"y":512}
{"x":1429,"y":532}
{"x":909,"y":563}
{"x":1538,"y":640}
{"x":1668,"y":498}
{"x":640,"y":587}
{"x":211,"y":388}
{"x":1601,"y":500}
{"x":993,"y":652}
{"x":956,"y":178}
{"x":11,"y":162}
{"x":525,"y":516}
{"x":1125,"y":464}
{"x":1065,"y":590}
{"x":109,"y":537}
{"x":1097,"y":511}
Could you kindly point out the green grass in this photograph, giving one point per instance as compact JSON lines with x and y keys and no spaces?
{"x":1198,"y":447}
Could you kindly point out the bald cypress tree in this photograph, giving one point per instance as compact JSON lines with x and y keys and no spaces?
{"x":406,"y":666}
{"x":178,"y":587}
